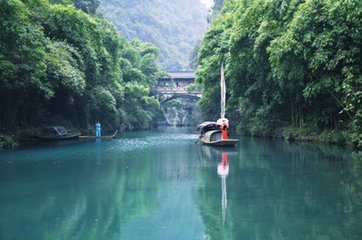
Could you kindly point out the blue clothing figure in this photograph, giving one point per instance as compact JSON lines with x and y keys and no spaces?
{"x":98,"y":129}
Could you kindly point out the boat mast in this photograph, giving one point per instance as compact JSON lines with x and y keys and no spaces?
{"x":223,"y":92}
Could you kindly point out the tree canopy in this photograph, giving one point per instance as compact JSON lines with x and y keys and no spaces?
{"x":61,"y":64}
{"x":289,"y":63}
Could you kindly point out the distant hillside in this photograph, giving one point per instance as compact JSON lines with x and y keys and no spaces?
{"x":175,"y":26}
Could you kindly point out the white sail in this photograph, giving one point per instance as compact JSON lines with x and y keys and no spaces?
{"x":223,"y":92}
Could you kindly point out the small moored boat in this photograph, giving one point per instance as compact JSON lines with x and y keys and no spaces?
{"x":215,"y":133}
{"x":55,"y":133}
{"x":210,"y":134}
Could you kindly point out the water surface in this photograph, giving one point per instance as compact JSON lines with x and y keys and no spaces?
{"x":161,"y":185}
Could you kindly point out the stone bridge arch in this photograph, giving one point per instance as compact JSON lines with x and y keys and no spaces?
{"x":191,"y":95}
{"x":174,"y":86}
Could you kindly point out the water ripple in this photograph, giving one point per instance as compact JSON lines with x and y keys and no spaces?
{"x":161,"y":140}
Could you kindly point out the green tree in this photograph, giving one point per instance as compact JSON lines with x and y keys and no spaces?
{"x":323,"y":46}
{"x":60,"y":65}
{"x":287,"y":63}
{"x":22,"y":63}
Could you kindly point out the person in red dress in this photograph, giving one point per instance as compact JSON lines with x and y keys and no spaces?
{"x":224,"y":132}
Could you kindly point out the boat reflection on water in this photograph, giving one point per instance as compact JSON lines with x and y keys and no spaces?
{"x":223,"y":172}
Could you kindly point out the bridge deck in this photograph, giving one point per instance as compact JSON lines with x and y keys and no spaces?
{"x":182,"y":80}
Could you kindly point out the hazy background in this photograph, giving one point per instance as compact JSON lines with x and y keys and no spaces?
{"x":174,"y":26}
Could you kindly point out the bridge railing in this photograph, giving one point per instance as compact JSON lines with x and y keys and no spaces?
{"x":163,"y":90}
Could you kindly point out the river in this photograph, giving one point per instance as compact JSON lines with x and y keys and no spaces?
{"x":161,"y":185}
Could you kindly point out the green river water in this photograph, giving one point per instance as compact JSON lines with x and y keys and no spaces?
{"x":161,"y":185}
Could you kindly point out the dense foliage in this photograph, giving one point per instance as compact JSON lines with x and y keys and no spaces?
{"x":289,"y":64}
{"x":60,"y":65}
{"x":175,"y":26}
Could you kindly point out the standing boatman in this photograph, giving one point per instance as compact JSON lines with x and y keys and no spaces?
{"x":224,"y":129}
{"x":98,"y":129}
{"x":224,"y":125}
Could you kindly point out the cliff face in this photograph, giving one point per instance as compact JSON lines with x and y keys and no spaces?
{"x":174,"y":26}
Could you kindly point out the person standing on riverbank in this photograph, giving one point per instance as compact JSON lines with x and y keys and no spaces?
{"x":98,"y":129}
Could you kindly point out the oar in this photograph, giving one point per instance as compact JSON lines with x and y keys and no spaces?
{"x":198,"y":139}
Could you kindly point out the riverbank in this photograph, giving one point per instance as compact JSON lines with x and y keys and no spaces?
{"x":303,"y":134}
{"x":25,"y":135}
{"x":7,"y":141}
{"x":342,"y":138}
{"x":310,"y":134}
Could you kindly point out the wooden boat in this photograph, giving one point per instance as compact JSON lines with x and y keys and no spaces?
{"x":214,"y":138}
{"x":101,"y":137}
{"x":211,"y":135}
{"x":55,"y":133}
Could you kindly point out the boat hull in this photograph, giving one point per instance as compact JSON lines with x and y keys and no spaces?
{"x":57,"y":138}
{"x":213,"y":138}
{"x":223,"y":142}
{"x":99,"y":137}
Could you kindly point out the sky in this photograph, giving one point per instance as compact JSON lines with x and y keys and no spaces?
{"x":208,"y":3}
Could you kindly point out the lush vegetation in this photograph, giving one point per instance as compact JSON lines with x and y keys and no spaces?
{"x":175,"y":26}
{"x":289,"y":64}
{"x":61,"y":64}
